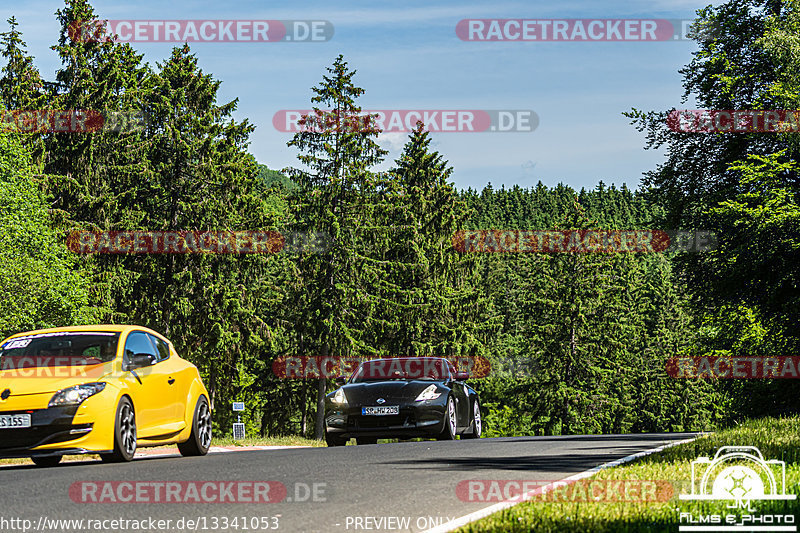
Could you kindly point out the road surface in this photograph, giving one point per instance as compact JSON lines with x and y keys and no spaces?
{"x":409,"y":486}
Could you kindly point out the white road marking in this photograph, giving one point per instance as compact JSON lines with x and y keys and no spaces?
{"x":511,"y":502}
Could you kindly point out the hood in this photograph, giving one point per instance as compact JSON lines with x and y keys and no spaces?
{"x":391,"y":391}
{"x":51,"y":379}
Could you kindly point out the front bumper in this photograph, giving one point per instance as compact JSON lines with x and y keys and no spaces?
{"x":416,"y":419}
{"x":85,"y":428}
{"x":49,"y":426}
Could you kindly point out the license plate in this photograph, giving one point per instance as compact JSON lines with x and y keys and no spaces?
{"x":15,"y":421}
{"x":381,"y":410}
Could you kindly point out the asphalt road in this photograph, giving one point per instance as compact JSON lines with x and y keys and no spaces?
{"x":408,"y":486}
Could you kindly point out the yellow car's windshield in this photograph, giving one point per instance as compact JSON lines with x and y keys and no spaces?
{"x":72,"y":348}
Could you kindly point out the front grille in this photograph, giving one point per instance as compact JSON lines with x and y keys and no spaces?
{"x":47,"y":426}
{"x":375,"y":422}
{"x":30,"y":437}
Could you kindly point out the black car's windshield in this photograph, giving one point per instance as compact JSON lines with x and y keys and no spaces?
{"x":402,"y":368}
{"x":58,"y":349}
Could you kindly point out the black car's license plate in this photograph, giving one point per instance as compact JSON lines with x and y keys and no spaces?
{"x":381,"y":410}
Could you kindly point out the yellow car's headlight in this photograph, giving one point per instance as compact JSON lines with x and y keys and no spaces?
{"x":75,"y":395}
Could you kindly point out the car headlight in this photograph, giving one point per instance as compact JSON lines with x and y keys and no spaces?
{"x":428,"y":394}
{"x":75,"y":395}
{"x":339,"y":397}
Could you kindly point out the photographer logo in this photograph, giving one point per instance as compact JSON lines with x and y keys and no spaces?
{"x":738,"y":475}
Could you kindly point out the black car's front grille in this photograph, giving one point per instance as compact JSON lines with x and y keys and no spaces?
{"x":375,"y":422}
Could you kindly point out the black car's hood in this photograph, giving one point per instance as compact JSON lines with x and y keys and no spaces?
{"x":392,"y":390}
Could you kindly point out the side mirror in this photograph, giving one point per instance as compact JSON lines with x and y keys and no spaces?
{"x":340,"y":381}
{"x":461,"y":376}
{"x":141,"y":360}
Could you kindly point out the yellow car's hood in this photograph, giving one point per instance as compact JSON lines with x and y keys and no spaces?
{"x":51,"y":379}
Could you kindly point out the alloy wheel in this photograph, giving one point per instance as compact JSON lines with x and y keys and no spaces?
{"x":204,"y":425}
{"x":451,"y":412}
{"x":127,"y":429}
{"x":476,"y":417}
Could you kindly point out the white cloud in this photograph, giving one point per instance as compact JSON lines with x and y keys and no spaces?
{"x":393,"y":140}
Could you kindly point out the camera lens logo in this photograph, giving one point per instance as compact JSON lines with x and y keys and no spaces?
{"x":738,"y":474}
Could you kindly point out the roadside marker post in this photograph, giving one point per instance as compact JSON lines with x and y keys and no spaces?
{"x":238,"y":426}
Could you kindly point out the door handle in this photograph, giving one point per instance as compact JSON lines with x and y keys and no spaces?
{"x":171,"y":381}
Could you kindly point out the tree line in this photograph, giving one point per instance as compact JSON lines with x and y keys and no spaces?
{"x":578,"y":342}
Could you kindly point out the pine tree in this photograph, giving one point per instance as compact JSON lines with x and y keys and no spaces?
{"x":91,"y":173}
{"x":431,"y":303}
{"x":21,"y":85}
{"x":337,"y":196}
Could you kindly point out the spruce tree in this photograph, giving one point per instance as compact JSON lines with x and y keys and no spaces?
{"x":338,"y":191}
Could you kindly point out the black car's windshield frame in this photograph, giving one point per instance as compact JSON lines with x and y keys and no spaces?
{"x":402,"y":369}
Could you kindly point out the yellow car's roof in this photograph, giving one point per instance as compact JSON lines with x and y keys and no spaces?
{"x":95,"y":327}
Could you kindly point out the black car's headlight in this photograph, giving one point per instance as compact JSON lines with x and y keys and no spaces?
{"x":428,"y":394}
{"x":339,"y":398}
{"x":75,"y":395}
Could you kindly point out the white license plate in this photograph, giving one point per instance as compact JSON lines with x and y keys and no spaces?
{"x":15,"y":421}
{"x":381,"y":410}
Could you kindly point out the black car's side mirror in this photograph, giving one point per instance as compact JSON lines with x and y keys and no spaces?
{"x":141,"y":360}
{"x":340,"y":381}
{"x":461,"y":376}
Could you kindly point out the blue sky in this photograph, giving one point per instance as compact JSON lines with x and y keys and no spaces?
{"x":408,"y":56}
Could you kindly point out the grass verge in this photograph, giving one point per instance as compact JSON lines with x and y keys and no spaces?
{"x":569,"y":512}
{"x":268,"y":441}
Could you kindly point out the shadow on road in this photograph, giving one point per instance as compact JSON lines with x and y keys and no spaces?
{"x":573,"y":460}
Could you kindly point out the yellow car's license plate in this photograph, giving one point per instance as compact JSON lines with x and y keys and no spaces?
{"x":15,"y":421}
{"x":381,"y":410}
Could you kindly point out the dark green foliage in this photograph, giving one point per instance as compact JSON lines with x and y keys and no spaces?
{"x":578,"y":341}
{"x":585,"y":336}
{"x":744,"y":187}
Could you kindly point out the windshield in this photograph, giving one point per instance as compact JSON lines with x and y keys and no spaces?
{"x":58,"y":349}
{"x":413,"y":368}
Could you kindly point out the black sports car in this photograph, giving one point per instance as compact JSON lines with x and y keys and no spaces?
{"x":402,"y":397}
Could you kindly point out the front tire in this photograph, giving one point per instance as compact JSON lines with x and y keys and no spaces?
{"x":200,"y":440}
{"x":50,"y":460}
{"x":477,"y":423}
{"x":124,"y":434}
{"x":449,"y":430}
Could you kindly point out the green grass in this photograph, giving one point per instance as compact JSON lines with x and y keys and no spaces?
{"x":218,"y":441}
{"x":67,"y":458}
{"x":776,"y":438}
{"x":267,"y":441}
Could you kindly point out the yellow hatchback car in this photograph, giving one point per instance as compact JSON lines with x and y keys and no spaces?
{"x":104,"y":389}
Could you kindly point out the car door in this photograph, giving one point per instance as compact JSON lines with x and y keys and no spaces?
{"x":177,"y":379}
{"x":151,"y":393}
{"x":461,"y":395}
